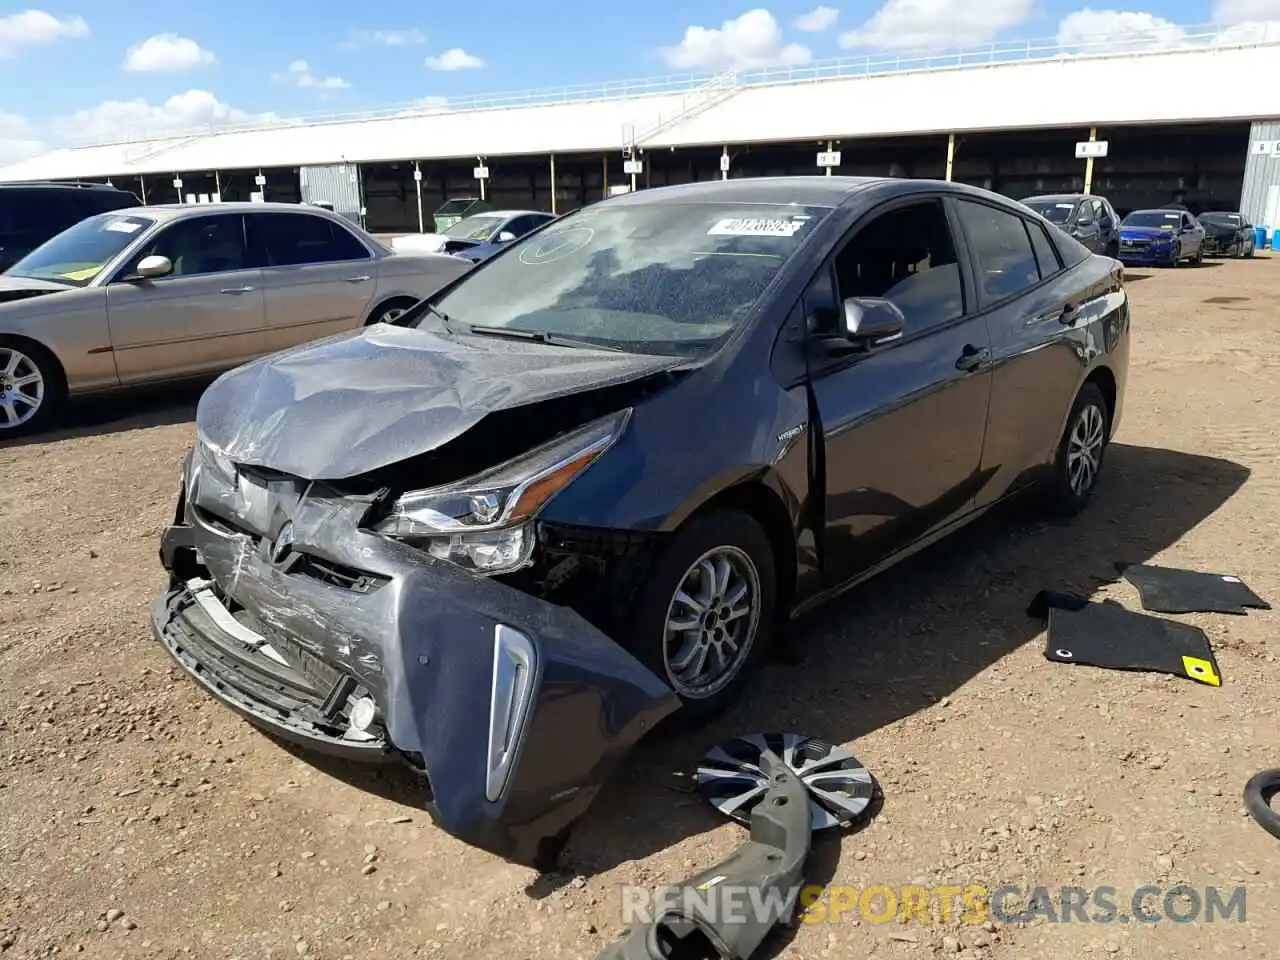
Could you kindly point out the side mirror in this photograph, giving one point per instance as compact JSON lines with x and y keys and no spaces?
{"x":870,"y":321}
{"x":153,"y":267}
{"x":506,"y":236}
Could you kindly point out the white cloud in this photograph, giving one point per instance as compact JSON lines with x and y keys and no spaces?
{"x":167,"y":52}
{"x":454,"y":59}
{"x":817,"y":19}
{"x":32,"y":28}
{"x":18,"y":139}
{"x":1100,"y":30}
{"x":300,"y":74}
{"x":126,"y":119}
{"x":937,"y":24}
{"x":409,"y":37}
{"x":751,"y":40}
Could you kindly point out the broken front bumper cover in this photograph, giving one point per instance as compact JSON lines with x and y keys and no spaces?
{"x":516,"y":711}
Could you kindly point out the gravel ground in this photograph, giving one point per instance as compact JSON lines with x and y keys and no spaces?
{"x":140,"y":819}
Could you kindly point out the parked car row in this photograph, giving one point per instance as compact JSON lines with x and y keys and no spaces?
{"x":1167,"y":236}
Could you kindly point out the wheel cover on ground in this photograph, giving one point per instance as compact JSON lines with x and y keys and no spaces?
{"x":712,"y":622}
{"x":1084,"y":448}
{"x":840,"y":788}
{"x":22,"y":388}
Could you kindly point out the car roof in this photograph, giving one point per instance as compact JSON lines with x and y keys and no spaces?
{"x":53,"y":185}
{"x":816,"y":191}
{"x":179,"y":211}
{"x":1158,"y":210}
{"x":509,"y":213}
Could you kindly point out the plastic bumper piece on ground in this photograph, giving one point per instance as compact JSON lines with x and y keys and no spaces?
{"x":713,"y":916}
{"x":517,"y":711}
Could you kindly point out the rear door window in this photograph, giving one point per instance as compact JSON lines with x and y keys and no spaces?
{"x":1001,"y":246}
{"x":298,"y":239}
{"x":1046,"y":255}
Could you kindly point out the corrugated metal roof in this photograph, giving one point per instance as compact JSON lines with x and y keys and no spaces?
{"x":1001,"y":86}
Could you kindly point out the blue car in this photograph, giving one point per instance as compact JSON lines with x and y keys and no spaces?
{"x":1161,"y":238}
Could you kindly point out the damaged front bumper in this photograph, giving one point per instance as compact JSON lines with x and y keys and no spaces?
{"x":352,"y":644}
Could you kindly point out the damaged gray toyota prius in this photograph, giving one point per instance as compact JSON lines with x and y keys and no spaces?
{"x":503,"y":537}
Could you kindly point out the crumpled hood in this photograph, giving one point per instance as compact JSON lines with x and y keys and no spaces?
{"x":353,"y":403}
{"x":22,"y":288}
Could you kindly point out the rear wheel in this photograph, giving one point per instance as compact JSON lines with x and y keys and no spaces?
{"x":1080,"y":453}
{"x":31,"y":387}
{"x":706,"y":615}
{"x":1199,"y":257}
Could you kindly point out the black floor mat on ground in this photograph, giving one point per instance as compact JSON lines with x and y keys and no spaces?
{"x":1107,"y":635}
{"x":1168,"y":590}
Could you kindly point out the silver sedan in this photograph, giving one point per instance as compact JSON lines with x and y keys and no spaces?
{"x":152,"y":294}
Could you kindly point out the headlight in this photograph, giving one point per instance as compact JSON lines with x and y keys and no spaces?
{"x":483,"y":522}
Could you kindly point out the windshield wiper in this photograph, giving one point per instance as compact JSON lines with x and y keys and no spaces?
{"x":444,"y":317}
{"x":540,"y":336}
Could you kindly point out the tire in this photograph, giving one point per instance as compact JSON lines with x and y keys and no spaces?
{"x":1112,"y":250}
{"x":1257,"y":795}
{"x":1064,"y":497}
{"x":20,"y":361}
{"x":389,"y":311}
{"x":1198,"y":259}
{"x":725,"y":535}
{"x":1248,"y":250}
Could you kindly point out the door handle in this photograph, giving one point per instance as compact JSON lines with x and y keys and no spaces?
{"x":237,"y":290}
{"x":971,"y":358}
{"x":360,"y":279}
{"x":1065,"y":316}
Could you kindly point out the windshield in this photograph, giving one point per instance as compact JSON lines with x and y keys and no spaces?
{"x":1222,"y":219}
{"x":479,"y":229}
{"x":1152,"y":218}
{"x":451,"y":208}
{"x":649,"y":278}
{"x":79,"y":253}
{"x":1059,"y":211}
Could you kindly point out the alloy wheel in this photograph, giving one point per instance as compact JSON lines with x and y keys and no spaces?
{"x":22,"y":388}
{"x":712,"y":622}
{"x":1084,"y":449}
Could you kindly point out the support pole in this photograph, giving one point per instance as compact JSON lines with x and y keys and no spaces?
{"x":483,"y":179}
{"x":553,"y":183}
{"x":951,"y":154}
{"x":217,"y":185}
{"x":633,"y":176}
{"x":1088,"y":163}
{"x":417,"y":187}
{"x":604,"y":176}
{"x":724,"y":162}
{"x":142,"y":183}
{"x":829,"y":147}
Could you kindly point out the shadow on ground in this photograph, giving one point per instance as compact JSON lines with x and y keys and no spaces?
{"x":893,"y":646}
{"x":100,"y":416}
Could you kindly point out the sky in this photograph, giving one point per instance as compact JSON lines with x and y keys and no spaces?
{"x":91,"y":70}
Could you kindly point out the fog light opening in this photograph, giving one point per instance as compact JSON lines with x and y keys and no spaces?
{"x":363,"y":713}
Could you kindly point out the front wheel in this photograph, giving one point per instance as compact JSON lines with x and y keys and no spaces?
{"x":30,"y":387}
{"x":1080,"y":453}
{"x":1199,"y":257}
{"x":707,"y":612}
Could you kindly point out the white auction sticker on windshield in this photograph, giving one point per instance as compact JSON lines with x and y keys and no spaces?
{"x":1065,"y":206}
{"x":754,"y":227}
{"x":124,"y":226}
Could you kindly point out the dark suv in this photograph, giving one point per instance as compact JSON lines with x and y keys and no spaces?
{"x":31,"y":213}
{"x":1090,"y":219}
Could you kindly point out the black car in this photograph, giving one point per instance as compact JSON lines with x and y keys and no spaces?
{"x":577,"y":490}
{"x":1090,"y":219}
{"x":1227,"y":233}
{"x":31,"y":213}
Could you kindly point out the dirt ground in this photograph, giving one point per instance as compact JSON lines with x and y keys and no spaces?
{"x":138,"y":818}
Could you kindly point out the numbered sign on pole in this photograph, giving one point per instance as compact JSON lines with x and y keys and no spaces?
{"x":417,"y":174}
{"x":724,"y":163}
{"x":1091,"y":149}
{"x":632,"y":167}
{"x":260,"y":180}
{"x":829,"y":158}
{"x":481,"y":172}
{"x":177,"y":183}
